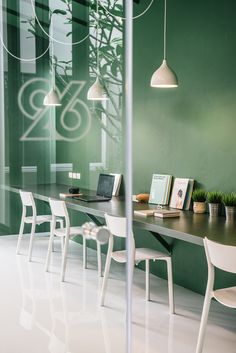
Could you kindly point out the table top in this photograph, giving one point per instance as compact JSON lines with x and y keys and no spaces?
{"x":188,"y":227}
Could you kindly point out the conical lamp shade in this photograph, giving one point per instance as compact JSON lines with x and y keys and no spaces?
{"x":96,"y":92}
{"x":164,"y":77}
{"x":52,"y":99}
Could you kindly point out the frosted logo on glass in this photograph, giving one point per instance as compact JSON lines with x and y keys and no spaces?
{"x":71,"y":122}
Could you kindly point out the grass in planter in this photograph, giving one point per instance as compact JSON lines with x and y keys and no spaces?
{"x":229,"y":199}
{"x":199,"y":195}
{"x":214,"y":197}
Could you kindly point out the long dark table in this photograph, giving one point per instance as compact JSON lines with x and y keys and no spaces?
{"x":188,"y":227}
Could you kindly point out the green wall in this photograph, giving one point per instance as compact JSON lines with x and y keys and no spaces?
{"x":188,"y":131}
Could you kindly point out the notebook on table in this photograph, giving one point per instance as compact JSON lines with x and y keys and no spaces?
{"x":104,"y":190}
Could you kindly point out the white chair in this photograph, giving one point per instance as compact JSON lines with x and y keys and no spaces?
{"x":27,"y":200}
{"x":59,"y":209}
{"x":117,"y":227}
{"x":223,"y":257}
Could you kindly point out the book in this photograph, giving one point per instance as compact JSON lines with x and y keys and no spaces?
{"x":69,"y":195}
{"x":166,"y":213}
{"x":117,"y":183}
{"x":160,"y":189}
{"x":188,"y":196}
{"x":179,"y":191}
{"x":144,"y":213}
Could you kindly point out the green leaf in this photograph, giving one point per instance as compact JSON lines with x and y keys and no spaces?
{"x":119,"y":50}
{"x":114,"y":68}
{"x":59,"y":12}
{"x":105,"y":48}
{"x":31,"y":31}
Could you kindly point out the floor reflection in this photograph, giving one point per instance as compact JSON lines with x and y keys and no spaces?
{"x":40,"y":314}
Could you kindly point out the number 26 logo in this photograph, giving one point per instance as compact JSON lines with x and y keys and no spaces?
{"x":71,"y":122}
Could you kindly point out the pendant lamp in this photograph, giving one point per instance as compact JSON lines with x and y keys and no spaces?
{"x":52,"y":99}
{"x":164,"y":76}
{"x":97,"y":91}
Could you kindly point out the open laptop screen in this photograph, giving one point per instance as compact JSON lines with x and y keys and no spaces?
{"x":105,"y":185}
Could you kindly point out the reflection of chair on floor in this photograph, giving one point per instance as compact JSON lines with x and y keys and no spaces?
{"x":68,"y":315}
{"x":117,"y":227}
{"x":224,"y":258}
{"x":58,"y":209}
{"x":27,"y":308}
{"x":28,"y":202}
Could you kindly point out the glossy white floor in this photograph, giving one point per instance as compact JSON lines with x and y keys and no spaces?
{"x":39,"y":314}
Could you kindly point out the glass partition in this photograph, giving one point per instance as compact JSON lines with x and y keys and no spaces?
{"x":69,"y":43}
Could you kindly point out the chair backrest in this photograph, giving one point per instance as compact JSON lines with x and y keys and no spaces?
{"x":116,"y":225}
{"x":59,"y":209}
{"x":221,"y":256}
{"x":27,"y":198}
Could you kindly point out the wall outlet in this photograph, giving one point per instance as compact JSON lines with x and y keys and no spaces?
{"x":78,"y":175}
{"x":70,"y":175}
{"x":74,"y":175}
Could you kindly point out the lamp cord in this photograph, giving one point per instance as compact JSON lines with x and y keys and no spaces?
{"x":19,"y":58}
{"x":50,"y":37}
{"x":165,"y":30}
{"x":97,"y":49}
{"x":124,"y":18}
{"x":53,"y":66}
{"x":82,"y":40}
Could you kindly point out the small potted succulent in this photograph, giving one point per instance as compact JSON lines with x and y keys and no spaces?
{"x":214,"y":199}
{"x":229,"y":201}
{"x":199,"y":201}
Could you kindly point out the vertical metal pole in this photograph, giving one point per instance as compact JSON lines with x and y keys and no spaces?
{"x":2,"y":123}
{"x":129,"y":166}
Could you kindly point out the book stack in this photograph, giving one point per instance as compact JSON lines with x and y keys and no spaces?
{"x":160,"y":189}
{"x":144,"y":213}
{"x":181,"y":193}
{"x":166,"y":213}
{"x":158,"y":212}
{"x":62,"y":195}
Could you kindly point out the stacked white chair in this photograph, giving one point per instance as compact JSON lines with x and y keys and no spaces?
{"x":59,"y":209}
{"x":99,"y":234}
{"x":117,"y":228}
{"x":223,"y":257}
{"x":29,"y":203}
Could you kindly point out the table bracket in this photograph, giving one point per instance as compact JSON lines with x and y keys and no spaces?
{"x":159,"y":238}
{"x":95,"y":220}
{"x":162,"y":241}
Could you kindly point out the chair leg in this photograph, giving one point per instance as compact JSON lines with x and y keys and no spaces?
{"x":84,"y":252}
{"x":60,"y":221}
{"x":53,"y":247}
{"x":202,"y":330}
{"x":33,"y":226}
{"x":64,"y":259}
{"x":105,"y":279}
{"x":20,"y":236}
{"x":62,"y":244}
{"x":99,"y":257}
{"x":107,"y":269}
{"x":147,"y":275}
{"x":170,"y":286}
{"x":50,"y":244}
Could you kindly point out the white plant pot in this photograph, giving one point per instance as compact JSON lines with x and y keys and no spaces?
{"x":199,"y":207}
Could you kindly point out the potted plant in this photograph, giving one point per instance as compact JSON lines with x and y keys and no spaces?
{"x":229,"y":201}
{"x":214,"y":199}
{"x":199,"y":201}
